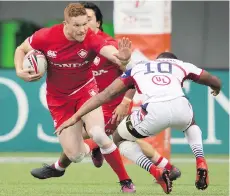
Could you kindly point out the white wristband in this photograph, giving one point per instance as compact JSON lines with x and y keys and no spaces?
{"x":127,"y":99}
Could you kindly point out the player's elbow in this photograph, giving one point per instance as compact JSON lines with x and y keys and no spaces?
{"x":20,"y":49}
{"x":24,"y":47}
{"x":215,"y":82}
{"x":209,"y":80}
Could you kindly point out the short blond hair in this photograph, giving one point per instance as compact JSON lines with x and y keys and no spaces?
{"x":74,"y":10}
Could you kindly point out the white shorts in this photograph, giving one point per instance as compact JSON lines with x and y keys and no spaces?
{"x":149,"y":121}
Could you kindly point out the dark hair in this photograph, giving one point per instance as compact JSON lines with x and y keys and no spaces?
{"x":167,"y":55}
{"x":97,"y":11}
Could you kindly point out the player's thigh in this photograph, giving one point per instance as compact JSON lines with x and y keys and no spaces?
{"x":182,"y":113}
{"x":94,"y":119}
{"x":61,"y":109}
{"x":71,"y":139}
{"x":156,"y":119}
{"x":145,"y":122}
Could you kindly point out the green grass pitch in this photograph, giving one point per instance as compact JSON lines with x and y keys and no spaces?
{"x":86,"y":180}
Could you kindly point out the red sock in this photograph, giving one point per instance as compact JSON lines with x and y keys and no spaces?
{"x":163,"y":163}
{"x":60,"y":164}
{"x":199,"y":160}
{"x":113,"y":157}
{"x":153,"y":170}
{"x":91,"y":144}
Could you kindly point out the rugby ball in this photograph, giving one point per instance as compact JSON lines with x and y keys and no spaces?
{"x":36,"y":61}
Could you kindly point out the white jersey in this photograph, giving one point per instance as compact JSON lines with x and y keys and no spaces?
{"x":161,"y":79}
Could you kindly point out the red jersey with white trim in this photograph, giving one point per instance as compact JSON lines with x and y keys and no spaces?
{"x":161,"y":79}
{"x":68,"y":61}
{"x":105,"y":72}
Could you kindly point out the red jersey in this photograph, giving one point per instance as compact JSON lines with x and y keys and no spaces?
{"x":68,"y":61}
{"x":105,"y":73}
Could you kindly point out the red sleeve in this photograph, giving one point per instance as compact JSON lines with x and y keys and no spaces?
{"x":112,"y":41}
{"x":37,"y":40}
{"x":96,"y":42}
{"x":193,"y":77}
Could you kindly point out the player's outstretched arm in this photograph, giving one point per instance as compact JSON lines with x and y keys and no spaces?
{"x":121,"y":56}
{"x":210,"y":80}
{"x":108,"y":94}
{"x":19,"y":55}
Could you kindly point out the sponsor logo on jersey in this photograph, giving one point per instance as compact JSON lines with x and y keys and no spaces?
{"x":99,"y":72}
{"x":69,"y":65}
{"x":96,"y":61}
{"x":161,"y":80}
{"x":52,"y":54}
{"x":82,"y":53}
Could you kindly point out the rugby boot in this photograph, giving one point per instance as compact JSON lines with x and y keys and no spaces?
{"x":47,"y":171}
{"x":174,"y":173}
{"x":162,"y":178}
{"x":202,"y":179}
{"x":97,"y":157}
{"x":127,"y":186}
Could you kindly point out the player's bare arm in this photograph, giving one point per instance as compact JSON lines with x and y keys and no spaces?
{"x":123,"y":108}
{"x":19,"y":55}
{"x":209,"y":80}
{"x":121,"y":56}
{"x":124,"y":47}
{"x":105,"y":96}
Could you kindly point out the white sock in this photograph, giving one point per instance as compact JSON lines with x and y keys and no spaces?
{"x":108,"y":150}
{"x":58,"y":167}
{"x":132,"y":151}
{"x":87,"y":149}
{"x":161,"y":162}
{"x":194,"y":137}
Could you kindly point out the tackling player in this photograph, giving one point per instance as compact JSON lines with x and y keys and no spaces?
{"x":70,"y":49}
{"x":165,"y":105}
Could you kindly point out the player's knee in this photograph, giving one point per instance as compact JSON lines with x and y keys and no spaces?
{"x":126,"y":147}
{"x":76,"y":158}
{"x":98,"y":135}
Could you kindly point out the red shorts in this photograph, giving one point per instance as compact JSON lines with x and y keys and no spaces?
{"x":62,"y":108}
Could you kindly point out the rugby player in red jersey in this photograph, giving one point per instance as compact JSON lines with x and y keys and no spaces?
{"x":70,"y":49}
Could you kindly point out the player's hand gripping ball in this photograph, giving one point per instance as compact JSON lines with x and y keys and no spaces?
{"x":36,"y":62}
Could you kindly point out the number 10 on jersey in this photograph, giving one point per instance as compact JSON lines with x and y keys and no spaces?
{"x":159,"y":68}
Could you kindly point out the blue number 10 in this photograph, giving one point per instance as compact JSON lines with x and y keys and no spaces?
{"x":158,"y":68}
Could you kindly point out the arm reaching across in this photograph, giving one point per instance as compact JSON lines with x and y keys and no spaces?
{"x":108,"y":94}
{"x":121,"y":56}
